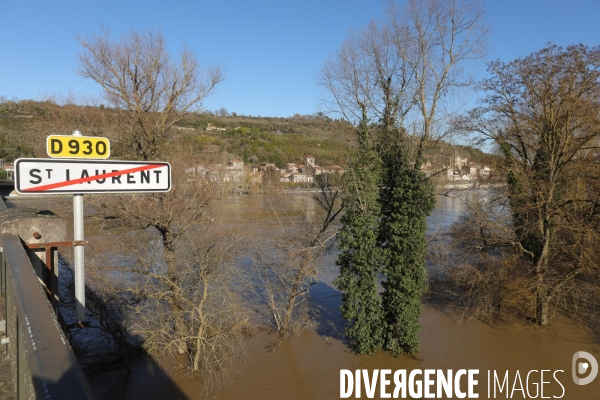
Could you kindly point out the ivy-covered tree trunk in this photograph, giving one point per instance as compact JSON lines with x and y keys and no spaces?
{"x":387,"y":202}
{"x":359,"y":260}
{"x":532,"y":214}
{"x":407,"y":198}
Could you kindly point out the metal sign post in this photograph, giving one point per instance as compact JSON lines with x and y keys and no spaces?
{"x":75,"y":176}
{"x":79,"y":252}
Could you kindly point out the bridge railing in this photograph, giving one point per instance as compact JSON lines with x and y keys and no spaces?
{"x":44,"y":365}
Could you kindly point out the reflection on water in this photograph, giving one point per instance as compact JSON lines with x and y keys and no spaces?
{"x":447,"y":211}
{"x":309,"y":368}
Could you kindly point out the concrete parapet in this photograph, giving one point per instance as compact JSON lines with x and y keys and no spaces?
{"x":35,"y":226}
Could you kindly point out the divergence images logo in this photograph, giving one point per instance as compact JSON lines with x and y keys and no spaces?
{"x":583,"y":367}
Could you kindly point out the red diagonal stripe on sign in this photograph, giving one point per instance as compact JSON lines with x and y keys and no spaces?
{"x":93,"y":178}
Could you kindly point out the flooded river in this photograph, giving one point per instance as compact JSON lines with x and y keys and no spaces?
{"x":309,"y":368}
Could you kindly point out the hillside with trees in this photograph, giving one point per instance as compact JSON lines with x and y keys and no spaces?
{"x":216,"y":136}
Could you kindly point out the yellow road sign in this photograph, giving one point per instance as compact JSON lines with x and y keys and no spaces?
{"x":63,"y":146}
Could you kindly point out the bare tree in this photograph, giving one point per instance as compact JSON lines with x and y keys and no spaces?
{"x":286,"y":270}
{"x":174,"y":275}
{"x":194,"y":315}
{"x":172,"y":215}
{"x":147,"y":89}
{"x":542,"y":113}
{"x":367,"y":81}
{"x":222,"y":112}
{"x":197,"y":311}
{"x":149,"y":93}
{"x":401,"y":72}
{"x":438,"y":39}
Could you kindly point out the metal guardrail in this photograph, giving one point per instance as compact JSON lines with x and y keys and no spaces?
{"x":43,"y":363}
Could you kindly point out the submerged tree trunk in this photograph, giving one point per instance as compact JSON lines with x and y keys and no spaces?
{"x":201,"y":329}
{"x":175,"y":289}
{"x":543,"y":307}
{"x":542,"y":296}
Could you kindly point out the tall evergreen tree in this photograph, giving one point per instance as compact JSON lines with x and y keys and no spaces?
{"x":406,"y":198}
{"x":360,"y":256}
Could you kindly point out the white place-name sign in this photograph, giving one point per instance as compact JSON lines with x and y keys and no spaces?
{"x":41,"y":175}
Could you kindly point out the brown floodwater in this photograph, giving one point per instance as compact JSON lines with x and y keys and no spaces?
{"x":309,"y":367}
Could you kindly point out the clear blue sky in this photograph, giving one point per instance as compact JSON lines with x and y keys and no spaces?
{"x":271,"y":50}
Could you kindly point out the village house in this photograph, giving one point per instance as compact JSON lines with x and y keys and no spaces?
{"x":235,"y":164}
{"x":301,"y":178}
{"x":299,"y":173}
{"x":210,"y":127}
{"x":462,"y":170}
{"x":333,"y":169}
{"x":485,"y":172}
{"x":263,"y":167}
{"x":459,"y":161}
{"x":285,"y":177}
{"x":233,"y":171}
{"x":291,"y":167}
